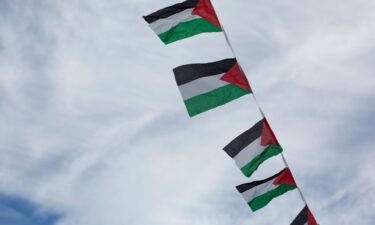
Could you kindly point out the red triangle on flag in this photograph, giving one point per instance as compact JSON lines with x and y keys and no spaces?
{"x":205,"y":10}
{"x":285,"y":177}
{"x":310,"y":218}
{"x":236,"y":76}
{"x":268,"y":137}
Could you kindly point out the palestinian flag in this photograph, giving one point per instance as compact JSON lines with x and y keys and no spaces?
{"x":305,"y":217}
{"x":253,"y":147}
{"x":259,"y":193}
{"x":206,"y":86}
{"x":184,"y":20}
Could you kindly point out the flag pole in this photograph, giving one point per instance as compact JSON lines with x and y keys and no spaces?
{"x":258,"y":105}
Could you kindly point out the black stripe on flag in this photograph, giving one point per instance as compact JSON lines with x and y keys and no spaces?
{"x":246,"y":138}
{"x":244,"y":187}
{"x":302,"y":217}
{"x":187,"y":73}
{"x":171,"y":10}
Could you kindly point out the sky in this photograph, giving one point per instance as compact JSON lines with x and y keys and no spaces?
{"x":94,"y":130}
{"x":18,"y":211}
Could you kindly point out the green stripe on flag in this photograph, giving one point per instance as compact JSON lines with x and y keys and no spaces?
{"x":262,"y":200}
{"x":212,"y":99}
{"x":253,"y":165}
{"x":188,"y":29}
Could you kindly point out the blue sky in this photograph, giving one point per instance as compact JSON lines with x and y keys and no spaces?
{"x":95,"y":131}
{"x":18,"y":211}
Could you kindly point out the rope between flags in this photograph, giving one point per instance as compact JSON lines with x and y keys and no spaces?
{"x":259,"y":107}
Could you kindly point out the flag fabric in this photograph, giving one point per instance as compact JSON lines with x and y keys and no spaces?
{"x":305,"y":217}
{"x":183,"y":20}
{"x":206,"y":86}
{"x":259,"y":193}
{"x":253,"y":147}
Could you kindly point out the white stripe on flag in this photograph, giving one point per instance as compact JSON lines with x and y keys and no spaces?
{"x":201,"y":86}
{"x":163,"y":25}
{"x":249,"y":153}
{"x":259,"y":190}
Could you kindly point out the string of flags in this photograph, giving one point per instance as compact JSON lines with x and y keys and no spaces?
{"x":205,"y":86}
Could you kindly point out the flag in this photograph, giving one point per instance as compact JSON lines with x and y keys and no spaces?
{"x":184,"y":20}
{"x":206,"y":86}
{"x":253,"y":147}
{"x":305,"y":217}
{"x":259,"y":193}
